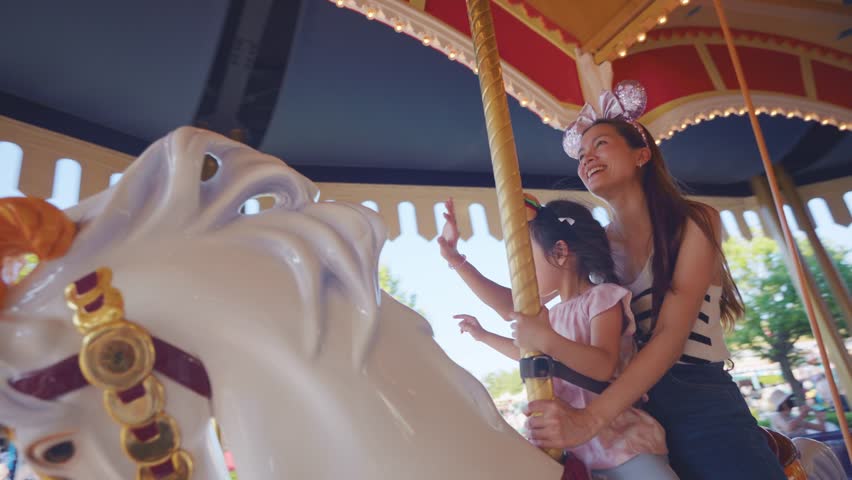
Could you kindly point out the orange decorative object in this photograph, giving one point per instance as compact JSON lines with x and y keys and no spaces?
{"x":787,"y":453}
{"x":533,"y":204}
{"x":32,"y":226}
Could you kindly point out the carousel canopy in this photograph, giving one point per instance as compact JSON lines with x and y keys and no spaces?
{"x":383,"y":91}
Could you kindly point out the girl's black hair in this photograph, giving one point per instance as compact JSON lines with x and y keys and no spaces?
{"x":585,"y":237}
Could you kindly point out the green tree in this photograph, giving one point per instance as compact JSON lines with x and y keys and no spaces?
{"x":498,"y":383}
{"x":775,"y":318}
{"x":390,"y":284}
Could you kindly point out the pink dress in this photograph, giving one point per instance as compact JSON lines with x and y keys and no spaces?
{"x":634,"y":431}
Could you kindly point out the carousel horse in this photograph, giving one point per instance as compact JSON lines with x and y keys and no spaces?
{"x":158,"y":304}
{"x":818,"y":460}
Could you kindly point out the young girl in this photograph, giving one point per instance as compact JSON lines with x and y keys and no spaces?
{"x":669,"y":256}
{"x":590,"y":331}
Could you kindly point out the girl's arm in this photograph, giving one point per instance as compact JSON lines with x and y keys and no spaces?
{"x":598,"y":360}
{"x":498,"y":297}
{"x":697,"y":265}
{"x":504,"y":345}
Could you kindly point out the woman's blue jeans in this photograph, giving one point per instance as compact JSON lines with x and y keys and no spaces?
{"x":710,"y":432}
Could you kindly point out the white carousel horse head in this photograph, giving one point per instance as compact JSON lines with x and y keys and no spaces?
{"x":314,"y":372}
{"x":819,"y":460}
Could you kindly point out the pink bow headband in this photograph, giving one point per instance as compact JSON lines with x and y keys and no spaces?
{"x":627,"y":103}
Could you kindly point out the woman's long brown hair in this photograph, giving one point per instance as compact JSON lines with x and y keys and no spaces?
{"x":669,"y":211}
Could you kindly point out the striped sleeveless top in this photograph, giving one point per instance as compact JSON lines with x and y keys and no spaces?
{"x":706,"y":342}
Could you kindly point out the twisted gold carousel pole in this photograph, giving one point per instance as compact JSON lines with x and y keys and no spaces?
{"x":507,"y":177}
{"x":785,"y":227}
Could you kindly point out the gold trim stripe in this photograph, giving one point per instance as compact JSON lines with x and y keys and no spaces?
{"x":418,"y":4}
{"x":622,"y":33}
{"x":710,"y":66}
{"x":808,"y":77}
{"x":669,"y":38}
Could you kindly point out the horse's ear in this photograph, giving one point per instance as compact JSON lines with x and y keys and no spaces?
{"x":818,"y":459}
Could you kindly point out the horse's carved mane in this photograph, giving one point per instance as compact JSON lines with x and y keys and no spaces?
{"x":163,"y":193}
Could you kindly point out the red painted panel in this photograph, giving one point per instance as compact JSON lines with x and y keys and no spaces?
{"x":764,"y":69}
{"x":667,"y":73}
{"x":550,"y":25}
{"x":523,"y":48}
{"x":451,"y":12}
{"x":833,"y":84}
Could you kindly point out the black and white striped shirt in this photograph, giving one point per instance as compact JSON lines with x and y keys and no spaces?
{"x":706,"y":342}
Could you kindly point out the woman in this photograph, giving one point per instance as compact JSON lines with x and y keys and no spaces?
{"x":667,"y":252}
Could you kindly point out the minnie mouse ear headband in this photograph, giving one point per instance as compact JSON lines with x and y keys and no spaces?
{"x":627,"y":102}
{"x":534,"y":207}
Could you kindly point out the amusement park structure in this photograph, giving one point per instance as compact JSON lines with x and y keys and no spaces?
{"x":376,"y":100}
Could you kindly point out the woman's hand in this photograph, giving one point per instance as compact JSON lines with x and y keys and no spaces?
{"x":555,"y":424}
{"x":471,"y":325}
{"x":533,"y":333}
{"x":449,"y":238}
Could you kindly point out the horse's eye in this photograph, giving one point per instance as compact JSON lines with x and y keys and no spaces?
{"x":59,"y":453}
{"x":52,"y":451}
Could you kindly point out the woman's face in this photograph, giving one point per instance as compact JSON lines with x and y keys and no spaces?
{"x":607,"y":161}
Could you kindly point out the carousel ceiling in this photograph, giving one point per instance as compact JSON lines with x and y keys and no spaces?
{"x":383,"y":91}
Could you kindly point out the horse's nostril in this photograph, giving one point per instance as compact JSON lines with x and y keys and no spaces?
{"x":59,"y":453}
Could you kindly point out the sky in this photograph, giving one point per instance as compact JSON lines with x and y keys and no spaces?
{"x":418,"y":265}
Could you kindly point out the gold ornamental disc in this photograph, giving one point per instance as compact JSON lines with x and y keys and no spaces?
{"x":155,"y":450}
{"x":139,"y":411}
{"x":117,"y":356}
{"x":181,"y":462}
{"x":108,"y":307}
{"x":99,"y":305}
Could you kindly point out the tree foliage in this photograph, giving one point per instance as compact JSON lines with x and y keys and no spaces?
{"x":502,"y":382}
{"x":775,"y":318}
{"x":391,"y":284}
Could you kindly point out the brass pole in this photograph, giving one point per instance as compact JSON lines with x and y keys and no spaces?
{"x":507,"y":177}
{"x":806,"y":223}
{"x":785,"y":227}
{"x":833,"y":342}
